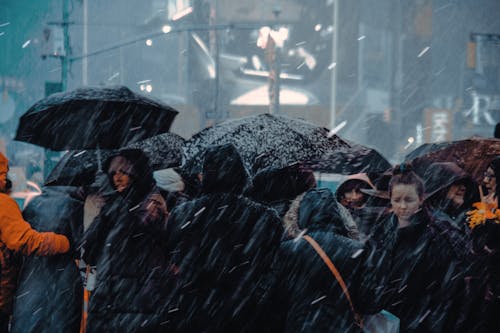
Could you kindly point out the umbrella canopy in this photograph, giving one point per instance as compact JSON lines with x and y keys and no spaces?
{"x":77,"y":168}
{"x":265,"y":140}
{"x":473,"y":155}
{"x":356,"y":159}
{"x":89,"y":118}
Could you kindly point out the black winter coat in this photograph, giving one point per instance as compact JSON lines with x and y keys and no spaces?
{"x":129,"y":260}
{"x":424,"y":281}
{"x":49,"y":295}
{"x":220,"y":245}
{"x":304,"y":295}
{"x":125,"y":244}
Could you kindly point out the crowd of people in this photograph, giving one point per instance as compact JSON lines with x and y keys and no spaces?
{"x":229,"y":251}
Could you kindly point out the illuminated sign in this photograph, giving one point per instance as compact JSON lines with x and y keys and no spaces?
{"x":438,"y":125}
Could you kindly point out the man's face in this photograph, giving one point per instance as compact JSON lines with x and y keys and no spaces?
{"x":456,"y":194}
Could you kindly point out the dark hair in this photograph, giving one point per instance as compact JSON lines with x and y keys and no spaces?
{"x":403,"y":175}
{"x":495,"y":166}
{"x":496,"y":133}
{"x":352,"y":185}
{"x":143,"y":181}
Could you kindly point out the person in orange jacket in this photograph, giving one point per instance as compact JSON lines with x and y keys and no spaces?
{"x":17,"y":236}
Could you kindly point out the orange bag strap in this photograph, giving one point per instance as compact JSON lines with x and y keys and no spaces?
{"x":336,"y":274}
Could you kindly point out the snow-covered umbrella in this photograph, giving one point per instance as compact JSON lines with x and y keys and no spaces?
{"x":265,"y":140}
{"x":472,"y":154}
{"x":94,"y":117}
{"x":355,"y":159}
{"x":78,"y":167}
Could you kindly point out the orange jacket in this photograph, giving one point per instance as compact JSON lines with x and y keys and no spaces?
{"x":18,"y":235}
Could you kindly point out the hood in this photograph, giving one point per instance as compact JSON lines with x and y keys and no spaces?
{"x":143,"y":181}
{"x":319,"y":211}
{"x":441,"y":175}
{"x":169,"y":180}
{"x":272,"y":185}
{"x":4,"y":163}
{"x":223,"y":170}
{"x":359,"y":177}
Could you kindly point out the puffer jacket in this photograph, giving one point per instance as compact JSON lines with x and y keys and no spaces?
{"x":17,"y":235}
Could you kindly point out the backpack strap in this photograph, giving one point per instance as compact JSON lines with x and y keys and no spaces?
{"x":336,"y":274}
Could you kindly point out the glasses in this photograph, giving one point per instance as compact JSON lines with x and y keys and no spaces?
{"x":489,"y":175}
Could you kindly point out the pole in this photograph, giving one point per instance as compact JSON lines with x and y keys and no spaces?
{"x":66,"y":55}
{"x":85,"y":62}
{"x":333,"y":94}
{"x":217,"y":112}
{"x":274,"y":73}
{"x":273,"y":59}
{"x":52,"y":157}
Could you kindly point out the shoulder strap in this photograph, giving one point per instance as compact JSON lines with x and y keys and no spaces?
{"x":336,"y":274}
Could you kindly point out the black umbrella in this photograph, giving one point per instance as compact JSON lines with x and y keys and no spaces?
{"x":265,"y":140}
{"x":356,"y":159}
{"x":89,"y":118}
{"x":77,"y":168}
{"x":164,"y":150}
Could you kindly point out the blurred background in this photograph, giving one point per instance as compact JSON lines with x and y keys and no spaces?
{"x":390,"y":74}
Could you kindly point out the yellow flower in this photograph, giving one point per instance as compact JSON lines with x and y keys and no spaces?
{"x":483,"y":212}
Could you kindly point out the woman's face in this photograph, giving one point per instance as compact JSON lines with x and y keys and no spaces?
{"x":490,"y":181}
{"x":121,"y":170}
{"x":405,"y":202}
{"x":353,"y":199}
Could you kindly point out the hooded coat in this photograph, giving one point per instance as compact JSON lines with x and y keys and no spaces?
{"x":305,"y":295}
{"x":366,"y":216}
{"x":125,"y":244}
{"x":424,"y":273}
{"x":221,"y":244}
{"x":284,"y":187}
{"x":438,"y":179}
{"x":49,"y":293}
{"x":16,"y":235}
